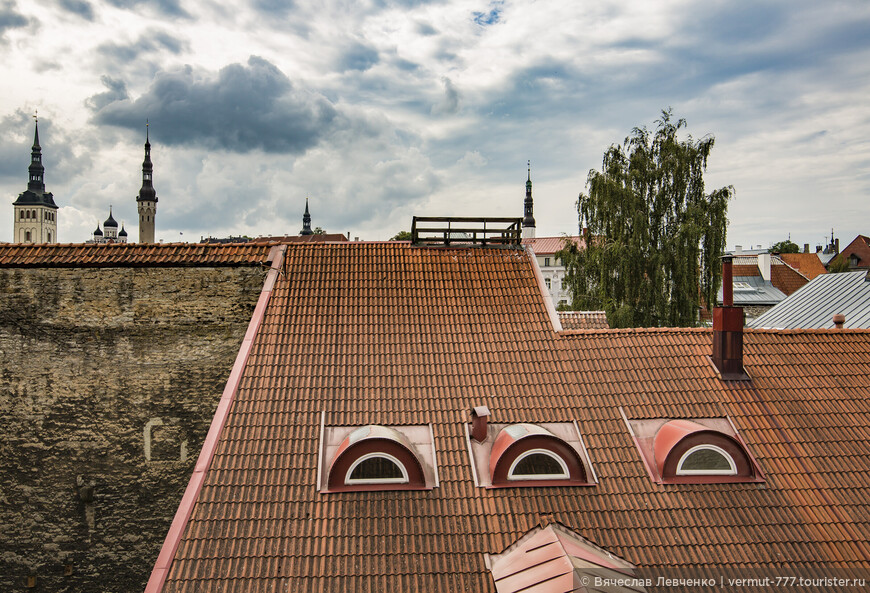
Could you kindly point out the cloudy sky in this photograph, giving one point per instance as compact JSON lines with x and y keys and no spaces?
{"x":378,"y":110}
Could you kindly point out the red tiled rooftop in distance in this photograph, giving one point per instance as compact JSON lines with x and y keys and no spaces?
{"x":550,"y":245}
{"x":583,"y":320}
{"x":17,"y":255}
{"x":396,"y":335}
{"x":808,"y":264}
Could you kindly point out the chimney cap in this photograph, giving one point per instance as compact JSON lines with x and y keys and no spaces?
{"x":839,"y":320}
{"x":480,"y":411}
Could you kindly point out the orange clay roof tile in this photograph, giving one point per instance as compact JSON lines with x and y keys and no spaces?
{"x":394,"y":334}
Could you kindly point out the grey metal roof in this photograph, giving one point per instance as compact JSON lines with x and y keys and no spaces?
{"x":754,"y":290}
{"x":814,"y":305}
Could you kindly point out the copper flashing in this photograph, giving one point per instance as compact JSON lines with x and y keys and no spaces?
{"x":191,"y":493}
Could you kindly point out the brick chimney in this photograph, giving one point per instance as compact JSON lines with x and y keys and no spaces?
{"x":479,"y":418}
{"x":728,"y":330}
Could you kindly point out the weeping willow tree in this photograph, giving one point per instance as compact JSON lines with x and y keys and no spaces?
{"x":654,"y":235}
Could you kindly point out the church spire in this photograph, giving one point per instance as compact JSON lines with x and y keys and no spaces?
{"x":37,"y":171}
{"x":528,"y":208}
{"x":306,"y":221}
{"x":147,"y":199}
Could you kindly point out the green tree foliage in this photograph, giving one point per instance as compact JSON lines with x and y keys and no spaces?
{"x":785,"y":247}
{"x":401,"y":236}
{"x":839,"y":265}
{"x":318,"y":231}
{"x":654,"y":235}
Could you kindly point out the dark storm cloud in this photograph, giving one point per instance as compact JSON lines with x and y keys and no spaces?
{"x":242,"y":108}
{"x":117,"y":91}
{"x":10,"y":18}
{"x":83,"y":8}
{"x":166,"y":7}
{"x":149,"y":43}
{"x":359,"y":57}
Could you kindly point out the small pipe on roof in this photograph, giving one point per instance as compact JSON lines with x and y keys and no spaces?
{"x":839,"y":320}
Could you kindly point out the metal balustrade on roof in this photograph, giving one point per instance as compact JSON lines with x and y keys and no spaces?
{"x":465,"y":232}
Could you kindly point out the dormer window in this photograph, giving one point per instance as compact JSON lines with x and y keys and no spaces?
{"x":693,"y":451}
{"x":377,"y":457}
{"x":526,"y":454}
{"x":538,"y":464}
{"x":376,"y":468}
{"x":706,"y":460}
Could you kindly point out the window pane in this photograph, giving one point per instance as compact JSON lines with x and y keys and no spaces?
{"x":706,"y":460}
{"x":376,"y":468}
{"x":538,"y":464}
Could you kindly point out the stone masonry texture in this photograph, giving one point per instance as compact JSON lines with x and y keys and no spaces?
{"x":108,"y":381}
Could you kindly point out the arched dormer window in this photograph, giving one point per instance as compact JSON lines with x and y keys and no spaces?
{"x":698,"y":451}
{"x":538,"y":464}
{"x":706,"y":460}
{"x":530,"y":455}
{"x":376,"y":468}
{"x":375,"y":457}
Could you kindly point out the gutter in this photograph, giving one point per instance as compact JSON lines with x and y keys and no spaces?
{"x":194,"y":486}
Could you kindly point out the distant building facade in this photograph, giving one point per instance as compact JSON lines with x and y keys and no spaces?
{"x":35,"y":213}
{"x":552,"y":267}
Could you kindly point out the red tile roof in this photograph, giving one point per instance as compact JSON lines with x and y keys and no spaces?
{"x":550,"y":245}
{"x":860,"y":247}
{"x":17,"y":255}
{"x":393,"y":334}
{"x":583,"y":320}
{"x":807,"y":264}
{"x":786,"y":278}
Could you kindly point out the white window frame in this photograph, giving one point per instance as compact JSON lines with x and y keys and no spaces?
{"x":403,"y":480}
{"x":707,"y":472}
{"x":525,"y":477}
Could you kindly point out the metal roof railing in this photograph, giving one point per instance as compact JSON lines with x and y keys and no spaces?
{"x":434,"y":231}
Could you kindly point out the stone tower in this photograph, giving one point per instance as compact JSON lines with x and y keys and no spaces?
{"x":147,"y":199}
{"x":528,"y":208}
{"x":35,"y":212}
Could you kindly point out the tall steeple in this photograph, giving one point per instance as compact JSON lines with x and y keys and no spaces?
{"x":528,"y":208}
{"x":306,"y":221}
{"x":37,"y":171}
{"x":147,"y":199}
{"x":35,"y":213}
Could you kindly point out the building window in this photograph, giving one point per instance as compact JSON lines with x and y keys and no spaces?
{"x":538,"y":464}
{"x":527,"y":455}
{"x":696,"y":451}
{"x":548,"y":283}
{"x":706,"y":460}
{"x":376,"y":468}
{"x":546,"y":262}
{"x":375,"y":457}
{"x":27,"y":237}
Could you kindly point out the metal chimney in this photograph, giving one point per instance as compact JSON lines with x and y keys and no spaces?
{"x":728,"y":330}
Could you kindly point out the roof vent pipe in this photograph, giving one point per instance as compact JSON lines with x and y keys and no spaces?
{"x":479,"y":418}
{"x":839,"y":320}
{"x":728,"y":331}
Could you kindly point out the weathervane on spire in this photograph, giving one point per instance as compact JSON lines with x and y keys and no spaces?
{"x":36,"y":115}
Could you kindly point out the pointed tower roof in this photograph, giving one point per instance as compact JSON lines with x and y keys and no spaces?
{"x":123,"y":233}
{"x":306,"y":221}
{"x":147,"y":193}
{"x":98,"y":232}
{"x":528,"y":204}
{"x":35,"y":194}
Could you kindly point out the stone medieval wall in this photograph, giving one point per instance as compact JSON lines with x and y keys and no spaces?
{"x":108,"y":382}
